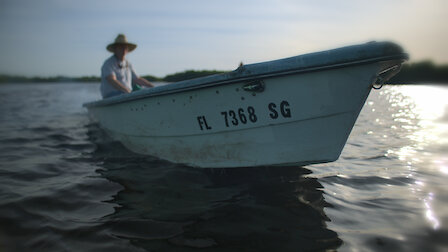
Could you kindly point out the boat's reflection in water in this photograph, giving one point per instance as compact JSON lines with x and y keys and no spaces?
{"x":168,"y":207}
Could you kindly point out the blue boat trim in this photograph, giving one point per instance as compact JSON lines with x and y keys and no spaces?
{"x":336,"y":58}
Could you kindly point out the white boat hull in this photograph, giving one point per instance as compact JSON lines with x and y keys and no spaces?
{"x":319,"y":111}
{"x":298,"y":119}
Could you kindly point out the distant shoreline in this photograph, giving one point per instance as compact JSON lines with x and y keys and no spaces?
{"x":186,"y":75}
{"x":411,"y":73}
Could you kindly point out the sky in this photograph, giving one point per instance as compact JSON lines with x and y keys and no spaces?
{"x":66,"y":37}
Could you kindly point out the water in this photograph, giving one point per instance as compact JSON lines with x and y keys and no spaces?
{"x":65,"y":186}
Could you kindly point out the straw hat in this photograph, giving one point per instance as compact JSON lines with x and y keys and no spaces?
{"x":121,"y":40}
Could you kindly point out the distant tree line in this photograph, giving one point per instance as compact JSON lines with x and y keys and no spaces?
{"x":186,"y":75}
{"x":23,"y":79}
{"x":424,"y":72}
{"x":189,"y":74}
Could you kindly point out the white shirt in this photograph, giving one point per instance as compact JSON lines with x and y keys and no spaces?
{"x":123,"y":71}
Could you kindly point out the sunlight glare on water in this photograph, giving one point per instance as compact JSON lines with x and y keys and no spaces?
{"x":388,"y":188}
{"x":428,"y":105}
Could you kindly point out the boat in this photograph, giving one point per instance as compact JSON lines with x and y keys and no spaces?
{"x":294,"y":111}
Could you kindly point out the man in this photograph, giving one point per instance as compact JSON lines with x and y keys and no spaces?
{"x":117,"y":73}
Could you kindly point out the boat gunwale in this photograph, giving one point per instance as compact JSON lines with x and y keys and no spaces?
{"x":113,"y":101}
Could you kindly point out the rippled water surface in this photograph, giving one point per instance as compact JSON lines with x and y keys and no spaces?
{"x":65,"y":186}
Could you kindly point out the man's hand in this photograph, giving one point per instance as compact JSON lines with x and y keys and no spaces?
{"x":144,"y":82}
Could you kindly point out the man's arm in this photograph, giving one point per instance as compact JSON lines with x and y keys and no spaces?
{"x":117,"y":84}
{"x":143,"y":82}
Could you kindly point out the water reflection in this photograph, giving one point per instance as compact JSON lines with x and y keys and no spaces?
{"x":389,"y":185}
{"x":423,"y":113}
{"x":167,"y":206}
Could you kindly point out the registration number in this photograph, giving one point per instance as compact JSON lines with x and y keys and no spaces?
{"x":247,"y":115}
